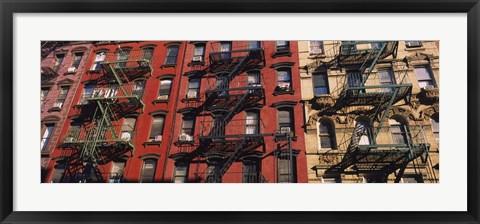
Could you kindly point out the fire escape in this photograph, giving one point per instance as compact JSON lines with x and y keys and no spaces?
{"x":49,"y":72}
{"x":101,"y":138}
{"x":365,"y":151}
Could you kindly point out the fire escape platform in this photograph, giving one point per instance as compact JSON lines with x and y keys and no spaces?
{"x":378,"y":96}
{"x":349,"y":56}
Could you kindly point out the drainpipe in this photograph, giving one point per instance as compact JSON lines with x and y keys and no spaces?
{"x":172,"y":129}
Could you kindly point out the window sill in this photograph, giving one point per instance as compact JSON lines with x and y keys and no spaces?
{"x":160,"y":101}
{"x":414,"y":48}
{"x":282,"y":54}
{"x":93,"y":71}
{"x":190,"y":100}
{"x":145,"y":144}
{"x":168,"y":66}
{"x":193,"y":63}
{"x":181,"y":143}
{"x":69,"y":73}
{"x":55,"y":109}
{"x":283,"y":92}
{"x":314,"y":56}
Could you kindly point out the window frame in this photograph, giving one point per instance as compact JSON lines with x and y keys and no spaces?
{"x":282,"y":48}
{"x":142,"y":171}
{"x":330,"y":135}
{"x":165,"y":95}
{"x":62,"y":96}
{"x":315,"y":83}
{"x":320,"y":47}
{"x":284,"y":82}
{"x":171,"y":58}
{"x":151,"y":137}
{"x":430,"y":74}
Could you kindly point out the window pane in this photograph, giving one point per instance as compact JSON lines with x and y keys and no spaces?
{"x":147,"y":53}
{"x":283,"y":75}
{"x":325,"y":128}
{"x":157,"y":126}
{"x":129,"y":124}
{"x":199,"y":50}
{"x":148,"y":170}
{"x":281,"y":43}
{"x":422,"y":73}
{"x":283,"y":116}
{"x":194,"y":84}
{"x":326,"y":142}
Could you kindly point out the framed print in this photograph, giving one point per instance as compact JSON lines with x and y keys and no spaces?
{"x":246,"y":112}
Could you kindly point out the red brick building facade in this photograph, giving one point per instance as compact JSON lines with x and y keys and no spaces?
{"x":190,"y":111}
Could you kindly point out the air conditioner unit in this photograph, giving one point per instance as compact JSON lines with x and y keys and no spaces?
{"x":185,"y":137}
{"x":285,"y":130}
{"x":197,"y":58}
{"x":163,"y":97}
{"x":158,"y":138}
{"x":72,"y":69}
{"x":316,"y":51}
{"x":58,"y":105}
{"x":126,"y":136}
{"x":413,"y":43}
{"x":429,"y":87}
{"x":192,"y":94}
{"x":69,"y":139}
{"x":284,"y":86}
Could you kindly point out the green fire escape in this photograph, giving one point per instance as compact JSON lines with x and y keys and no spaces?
{"x":376,"y":100}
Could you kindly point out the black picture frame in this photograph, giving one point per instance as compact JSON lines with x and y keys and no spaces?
{"x":9,"y":7}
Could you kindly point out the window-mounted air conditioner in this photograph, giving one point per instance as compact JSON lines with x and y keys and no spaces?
{"x":126,"y":136}
{"x":185,"y":137}
{"x":158,"y":138}
{"x":284,"y":86}
{"x":71,"y":69}
{"x":163,"y":97}
{"x":69,"y":139}
{"x":316,"y":51}
{"x":192,"y":94}
{"x":285,"y":130}
{"x":197,"y":58}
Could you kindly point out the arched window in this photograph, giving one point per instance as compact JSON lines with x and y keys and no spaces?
{"x":327,"y":135}
{"x":363,"y":131}
{"x":399,"y":130}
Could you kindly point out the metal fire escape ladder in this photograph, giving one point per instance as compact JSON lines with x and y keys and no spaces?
{"x":220,"y":170}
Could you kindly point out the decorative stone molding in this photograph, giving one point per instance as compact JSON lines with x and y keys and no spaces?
{"x":330,"y":158}
{"x":323,"y":101}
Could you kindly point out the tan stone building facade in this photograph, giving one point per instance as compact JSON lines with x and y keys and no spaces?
{"x":371,"y":111}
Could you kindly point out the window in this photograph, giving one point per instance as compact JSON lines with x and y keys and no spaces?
{"x":349,"y":47}
{"x":254,"y":44}
{"x":412,"y":179}
{"x":181,"y":173}
{"x":73,"y":132}
{"x":283,"y":46}
{"x":165,"y":86}
{"x":316,"y":47}
{"x":364,"y":132}
{"x":193,"y":88}
{"x":128,"y":128}
{"x":44,"y":94}
{"x":47,"y":133}
{"x":376,"y":45}
{"x":354,"y":78}
{"x":212,"y":176}
{"x":330,"y":180}
{"x":58,"y":174}
{"x":399,"y":130}
{"x":198,"y":53}
{"x":251,"y":171}
{"x":410,"y":44}
{"x":187,"y":129}
{"x":424,"y":77}
{"x":87,"y":93}
{"x":285,"y":118}
{"x":251,"y":123}
{"x":386,"y":78}
{"x":327,"y":135}
{"x":138,"y":88}
{"x":157,"y":128}
{"x":147,"y":54}
{"x":148,"y":170}
{"x":227,"y":48}
{"x":172,"y":53}
{"x":122,"y":57}
{"x":287,"y":169}
{"x":116,"y":174}
{"x":284,"y":82}
{"x":436,"y":128}
{"x":222,"y":84}
{"x":61,"y":98}
{"x":99,"y":58}
{"x":374,"y":179}
{"x":58,"y":61}
{"x":76,"y":61}
{"x":320,"y":84}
